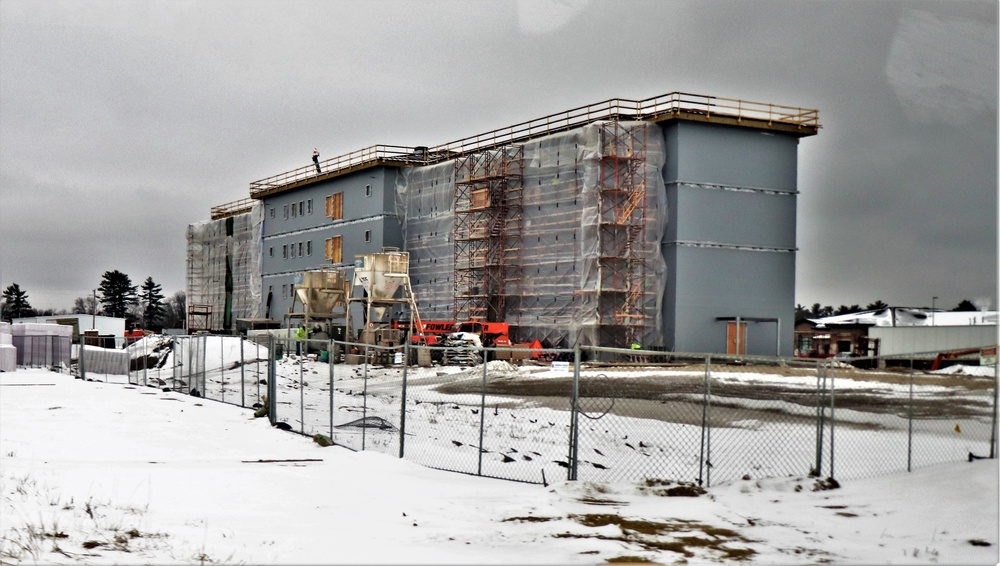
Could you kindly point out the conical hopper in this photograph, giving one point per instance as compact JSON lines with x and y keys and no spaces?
{"x":322,"y":290}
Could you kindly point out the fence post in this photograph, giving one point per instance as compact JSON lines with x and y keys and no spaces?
{"x":272,"y":378}
{"x":820,"y":414}
{"x":482,"y":416}
{"x":704,"y":417}
{"x":222,"y":369}
{"x":574,"y":422}
{"x":993,"y":429}
{"x":243,"y":373}
{"x":204,"y":364}
{"x":82,"y":364}
{"x":402,"y":403}
{"x":364,"y":401}
{"x":330,"y":361}
{"x":706,"y":425}
{"x":302,"y":387}
{"x":909,"y":418}
{"x":833,"y":419}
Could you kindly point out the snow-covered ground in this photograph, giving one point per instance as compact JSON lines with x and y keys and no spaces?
{"x":111,"y":473}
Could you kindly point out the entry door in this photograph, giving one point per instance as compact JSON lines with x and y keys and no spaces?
{"x":731,"y":342}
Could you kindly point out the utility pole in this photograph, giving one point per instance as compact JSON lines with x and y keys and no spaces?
{"x":93,"y":316}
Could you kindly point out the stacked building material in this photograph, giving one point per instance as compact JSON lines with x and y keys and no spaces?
{"x":8,"y":354}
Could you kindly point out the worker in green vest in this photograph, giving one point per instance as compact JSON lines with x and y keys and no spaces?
{"x":300,"y":335}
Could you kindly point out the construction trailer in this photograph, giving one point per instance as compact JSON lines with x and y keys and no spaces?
{"x":667,"y":222}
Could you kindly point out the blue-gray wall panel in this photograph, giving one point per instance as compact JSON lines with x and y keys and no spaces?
{"x":369,"y":223}
{"x":728,"y":283}
{"x":732,"y":217}
{"x":731,"y":156}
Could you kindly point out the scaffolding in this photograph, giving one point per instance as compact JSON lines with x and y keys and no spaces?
{"x":223,"y":270}
{"x":487,"y":236}
{"x":624,"y":291}
{"x":533,"y":235}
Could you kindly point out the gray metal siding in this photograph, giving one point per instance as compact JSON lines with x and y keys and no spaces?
{"x":733,"y":217}
{"x":723,"y":283}
{"x":732,"y":204}
{"x":369,"y":223}
{"x":732,"y":156}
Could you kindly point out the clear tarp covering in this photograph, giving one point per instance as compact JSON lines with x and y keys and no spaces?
{"x":586,"y":267}
{"x":212,"y":246}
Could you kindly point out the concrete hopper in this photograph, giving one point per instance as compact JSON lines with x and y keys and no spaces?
{"x":381,"y":275}
{"x":321,"y":290}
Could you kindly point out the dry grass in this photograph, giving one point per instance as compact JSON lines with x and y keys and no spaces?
{"x":679,"y":536}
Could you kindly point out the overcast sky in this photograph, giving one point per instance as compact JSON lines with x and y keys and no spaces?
{"x":123,"y":122}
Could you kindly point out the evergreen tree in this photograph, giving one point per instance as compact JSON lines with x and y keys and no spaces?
{"x":16,"y":303}
{"x":116,"y":293}
{"x":151,"y":299}
{"x":801,"y":313}
{"x":844,"y":309}
{"x":965,"y":306}
{"x":820,"y":311}
{"x":876,"y":306}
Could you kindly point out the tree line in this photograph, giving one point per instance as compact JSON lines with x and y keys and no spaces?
{"x":142,"y":306}
{"x":819,"y":311}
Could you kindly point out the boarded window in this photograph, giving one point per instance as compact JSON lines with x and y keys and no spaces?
{"x":333,"y":249}
{"x":335,"y":206}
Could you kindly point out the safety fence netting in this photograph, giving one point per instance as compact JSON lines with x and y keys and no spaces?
{"x":595,"y":414}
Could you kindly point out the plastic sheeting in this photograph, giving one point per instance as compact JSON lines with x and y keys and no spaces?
{"x":8,"y":354}
{"x":108,"y":361}
{"x":224,"y":267}
{"x":562,"y":289}
{"x":40,"y":344}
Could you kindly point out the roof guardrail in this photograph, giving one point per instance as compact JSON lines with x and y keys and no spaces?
{"x":675,"y":104}
{"x":232,"y":208}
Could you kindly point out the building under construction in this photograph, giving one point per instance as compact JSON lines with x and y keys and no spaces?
{"x":667,"y":222}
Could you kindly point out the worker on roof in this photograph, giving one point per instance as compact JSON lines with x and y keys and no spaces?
{"x":316,"y":160}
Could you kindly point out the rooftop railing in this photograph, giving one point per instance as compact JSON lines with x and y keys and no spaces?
{"x":342,"y":163}
{"x":663,"y":107}
{"x":232,"y":208}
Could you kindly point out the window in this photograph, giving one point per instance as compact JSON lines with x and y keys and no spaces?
{"x":335,"y":206}
{"x":300,"y":249}
{"x":333,"y":249}
{"x":286,"y":211}
{"x":368,"y":235}
{"x":270,"y":251}
{"x":309,"y":248}
{"x":368,"y":190}
{"x":272,"y":212}
{"x":300,"y":208}
{"x":293,"y":251}
{"x":309,"y":206}
{"x":284,"y":291}
{"x":293,"y":210}
{"x":284,"y":251}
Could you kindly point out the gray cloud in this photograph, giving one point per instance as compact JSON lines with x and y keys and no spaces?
{"x":122,"y":122}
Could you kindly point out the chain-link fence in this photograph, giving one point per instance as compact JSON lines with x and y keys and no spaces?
{"x":621,"y":415}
